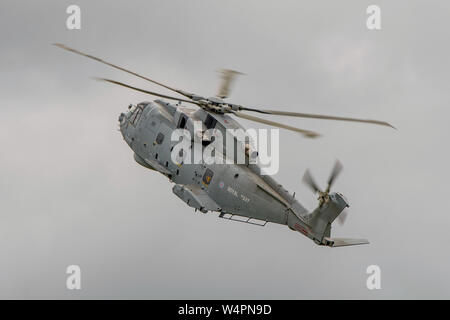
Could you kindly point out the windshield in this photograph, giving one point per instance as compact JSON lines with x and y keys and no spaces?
{"x":133,"y":108}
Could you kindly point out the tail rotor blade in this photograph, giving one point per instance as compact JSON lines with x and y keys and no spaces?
{"x":342,"y":217}
{"x":309,"y":181}
{"x":336,"y":170}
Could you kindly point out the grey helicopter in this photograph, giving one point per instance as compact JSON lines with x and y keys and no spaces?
{"x":237,"y":191}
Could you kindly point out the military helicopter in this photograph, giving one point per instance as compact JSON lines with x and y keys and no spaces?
{"x":238,"y":192}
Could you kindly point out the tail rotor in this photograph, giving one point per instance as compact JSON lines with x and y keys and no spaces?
{"x":324,"y":196}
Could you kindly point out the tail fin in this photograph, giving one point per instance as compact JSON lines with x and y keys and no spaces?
{"x":322,"y":218}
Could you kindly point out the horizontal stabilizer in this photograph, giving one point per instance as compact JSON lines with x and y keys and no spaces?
{"x":341,"y":242}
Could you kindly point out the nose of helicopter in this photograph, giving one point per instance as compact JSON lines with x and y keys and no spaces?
{"x":122,"y":120}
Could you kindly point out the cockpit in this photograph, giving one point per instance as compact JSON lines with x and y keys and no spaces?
{"x":134,"y":113}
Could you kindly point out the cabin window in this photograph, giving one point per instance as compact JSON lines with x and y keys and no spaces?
{"x":208,"y":142}
{"x":210,"y":122}
{"x":207,"y":177}
{"x":159,"y":138}
{"x":182,"y":122}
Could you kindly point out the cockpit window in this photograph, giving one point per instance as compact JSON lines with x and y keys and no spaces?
{"x":136,"y":116}
{"x":136,"y":113}
{"x":142,"y":105}
{"x":133,"y":108}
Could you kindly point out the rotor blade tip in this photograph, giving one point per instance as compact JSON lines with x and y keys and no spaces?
{"x":312,"y":135}
{"x":387,"y":124}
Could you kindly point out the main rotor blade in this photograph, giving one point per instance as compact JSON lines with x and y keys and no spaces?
{"x":241,"y":108}
{"x":334,"y":173}
{"x":227,"y":78}
{"x":319,"y":116}
{"x":145,"y":91}
{"x":309,"y":181}
{"x":307,"y":133}
{"x":62,"y":46}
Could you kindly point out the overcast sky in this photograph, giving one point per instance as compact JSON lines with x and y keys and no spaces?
{"x":71,"y":192}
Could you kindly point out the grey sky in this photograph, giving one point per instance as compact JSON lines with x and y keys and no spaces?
{"x":71,"y":192}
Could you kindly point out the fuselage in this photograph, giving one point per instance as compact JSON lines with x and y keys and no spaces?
{"x":236,"y":189}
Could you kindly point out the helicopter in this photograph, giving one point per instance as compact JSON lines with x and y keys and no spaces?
{"x":237,"y":191}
